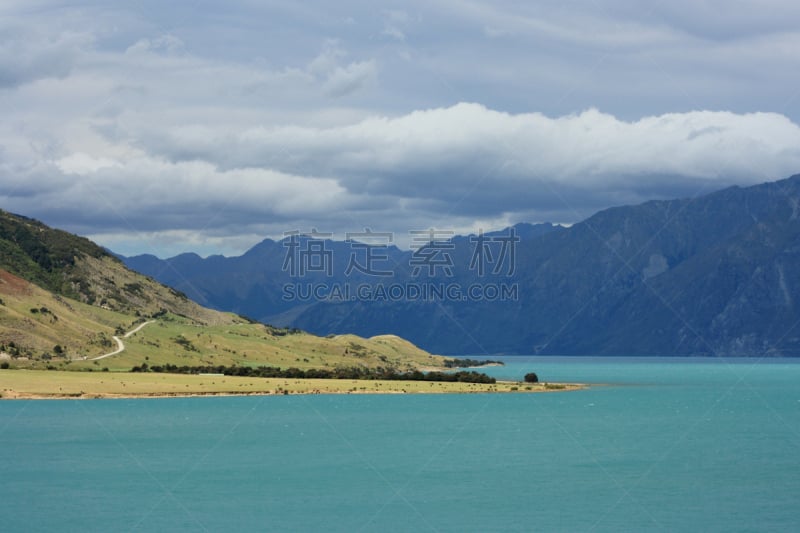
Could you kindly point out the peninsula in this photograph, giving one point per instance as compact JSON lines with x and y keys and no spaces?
{"x":74,"y":323}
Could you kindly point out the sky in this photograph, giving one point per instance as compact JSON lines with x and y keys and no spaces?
{"x":167,"y":127}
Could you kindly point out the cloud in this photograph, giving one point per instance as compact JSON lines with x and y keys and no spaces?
{"x":394,"y":33}
{"x":163,"y":44}
{"x":328,"y":59}
{"x":144,"y":197}
{"x":346,"y":80}
{"x":27,"y":55}
{"x":457,"y":167}
{"x":394,"y":19}
{"x":444,"y":152}
{"x":340,"y":80}
{"x":83,"y":164}
{"x":255,"y":118}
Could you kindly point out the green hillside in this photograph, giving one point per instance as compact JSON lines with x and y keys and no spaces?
{"x":63,"y":300}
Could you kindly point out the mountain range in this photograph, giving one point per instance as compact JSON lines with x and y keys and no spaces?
{"x":714,"y":275}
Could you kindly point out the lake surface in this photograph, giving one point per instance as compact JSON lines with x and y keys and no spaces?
{"x":664,"y":444}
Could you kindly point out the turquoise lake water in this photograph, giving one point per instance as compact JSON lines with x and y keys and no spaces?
{"x":665,"y":444}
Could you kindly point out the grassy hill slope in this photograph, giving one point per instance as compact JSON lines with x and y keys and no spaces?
{"x":63,"y":299}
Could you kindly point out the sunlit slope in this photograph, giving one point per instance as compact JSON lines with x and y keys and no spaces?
{"x":63,"y":299}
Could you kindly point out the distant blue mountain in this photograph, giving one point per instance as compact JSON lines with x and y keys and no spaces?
{"x":713,"y":275}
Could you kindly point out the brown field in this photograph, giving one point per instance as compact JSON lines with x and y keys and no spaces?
{"x":58,"y":384}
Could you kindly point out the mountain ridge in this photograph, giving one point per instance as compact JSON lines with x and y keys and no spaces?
{"x":665,"y":277}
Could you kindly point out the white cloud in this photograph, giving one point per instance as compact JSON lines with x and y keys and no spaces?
{"x":462,"y":167}
{"x":346,"y":80}
{"x":395,"y":19}
{"x":394,"y":33}
{"x":328,"y":59}
{"x":340,"y":80}
{"x":82,"y":164}
{"x":461,"y":142}
{"x":164,"y":44}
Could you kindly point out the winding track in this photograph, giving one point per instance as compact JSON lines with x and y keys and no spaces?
{"x":120,"y":344}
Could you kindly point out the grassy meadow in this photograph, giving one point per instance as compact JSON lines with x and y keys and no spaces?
{"x":49,"y":384}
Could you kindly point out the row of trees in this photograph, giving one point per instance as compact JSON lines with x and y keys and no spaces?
{"x":320,"y":373}
{"x":465,"y":363}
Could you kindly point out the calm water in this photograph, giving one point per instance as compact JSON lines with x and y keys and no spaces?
{"x":669,"y":445}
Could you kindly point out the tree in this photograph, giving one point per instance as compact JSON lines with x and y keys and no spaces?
{"x":531,"y":377}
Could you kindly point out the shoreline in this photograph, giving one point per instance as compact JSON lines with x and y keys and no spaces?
{"x":14,"y":395}
{"x":59,"y":385}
